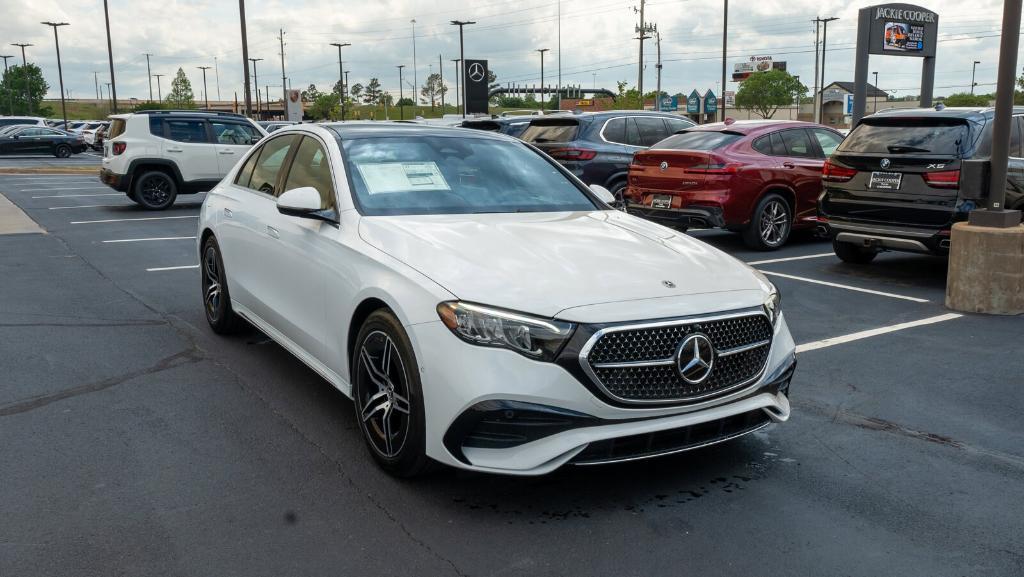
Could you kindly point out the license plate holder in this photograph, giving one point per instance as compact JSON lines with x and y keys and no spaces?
{"x":661,"y":201}
{"x":885,"y":180}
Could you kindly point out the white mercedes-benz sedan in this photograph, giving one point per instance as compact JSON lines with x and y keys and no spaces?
{"x":483,"y":307}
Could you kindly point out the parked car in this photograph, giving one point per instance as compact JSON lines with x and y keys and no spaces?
{"x":40,"y":140}
{"x":155,"y":155}
{"x":511,"y":125}
{"x":482,"y":306}
{"x":760,"y":178}
{"x":88,"y":131}
{"x":22,"y":120}
{"x":894,"y":183}
{"x":272,"y":125}
{"x":98,"y":138}
{"x":597,"y":147}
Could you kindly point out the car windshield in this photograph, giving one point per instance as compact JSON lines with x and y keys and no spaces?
{"x":551,"y":131}
{"x":698,"y":140}
{"x":398,"y":175}
{"x":906,"y":136}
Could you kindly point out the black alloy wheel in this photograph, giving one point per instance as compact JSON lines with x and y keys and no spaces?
{"x":155,"y":190}
{"x":770,"y":224}
{"x":216,"y":300}
{"x":62,"y":151}
{"x":387,"y":396}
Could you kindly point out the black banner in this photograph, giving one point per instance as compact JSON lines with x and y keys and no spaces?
{"x":474,"y":75}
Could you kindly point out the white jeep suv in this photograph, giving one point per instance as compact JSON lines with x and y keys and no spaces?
{"x":155,"y":155}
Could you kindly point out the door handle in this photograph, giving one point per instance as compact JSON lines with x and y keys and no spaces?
{"x":788,"y":165}
{"x":228,"y":213}
{"x":174,"y":150}
{"x":273,"y":232}
{"x":227,"y":152}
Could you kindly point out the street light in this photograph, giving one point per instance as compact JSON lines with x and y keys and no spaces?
{"x":10,"y":96}
{"x":973,"y":68}
{"x":542,"y":51}
{"x":341,"y":76}
{"x":24,"y":70}
{"x":60,"y":73}
{"x":256,"y":83}
{"x":876,"y":91}
{"x":206,"y":95}
{"x":824,"y":44}
{"x":401,"y":105}
{"x":415,"y":75}
{"x":457,"y":61}
{"x":462,"y":56}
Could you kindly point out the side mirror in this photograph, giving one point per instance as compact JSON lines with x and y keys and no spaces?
{"x":303,"y":202}
{"x":603,"y":193}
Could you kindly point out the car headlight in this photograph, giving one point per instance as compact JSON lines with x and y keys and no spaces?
{"x":773,"y":304}
{"x":533,"y":337}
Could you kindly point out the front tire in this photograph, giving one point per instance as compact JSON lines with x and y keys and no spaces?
{"x":388,"y":397}
{"x":853,"y":254}
{"x":770,"y":224}
{"x":216,"y":299}
{"x":155,"y":190}
{"x":62,"y":151}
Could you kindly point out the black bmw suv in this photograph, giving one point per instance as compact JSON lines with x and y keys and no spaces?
{"x":895,"y":182}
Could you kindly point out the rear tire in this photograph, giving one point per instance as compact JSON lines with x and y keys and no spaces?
{"x":770,"y":224}
{"x":618,"y":190}
{"x":62,"y":151}
{"x":853,"y":254}
{"x":216,"y":299}
{"x":155,"y":190}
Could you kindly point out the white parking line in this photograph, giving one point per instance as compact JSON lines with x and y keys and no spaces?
{"x":99,"y":187}
{"x":85,"y":206}
{"x":131,"y":219}
{"x":154,"y":238}
{"x":775,"y":260}
{"x":163,"y":268}
{"x":874,"y":332}
{"x":843,"y":286}
{"x":80,"y":195}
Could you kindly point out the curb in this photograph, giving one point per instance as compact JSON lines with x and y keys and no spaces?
{"x":51,"y":170}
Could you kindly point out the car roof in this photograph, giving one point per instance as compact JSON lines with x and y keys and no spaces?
{"x":752,"y":126}
{"x":965,"y":112}
{"x":370,"y":129}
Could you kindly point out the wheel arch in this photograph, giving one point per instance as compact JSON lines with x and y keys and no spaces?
{"x":363,"y":310}
{"x":140,"y":165}
{"x":787,"y":193}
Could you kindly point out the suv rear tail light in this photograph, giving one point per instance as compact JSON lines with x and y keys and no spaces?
{"x":572,"y":154}
{"x":119,"y":147}
{"x":943,"y":179}
{"x":835,"y":173}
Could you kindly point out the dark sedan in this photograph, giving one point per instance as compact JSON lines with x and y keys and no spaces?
{"x":41,"y":140}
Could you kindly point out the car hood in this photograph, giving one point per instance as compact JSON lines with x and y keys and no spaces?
{"x":545,"y":263}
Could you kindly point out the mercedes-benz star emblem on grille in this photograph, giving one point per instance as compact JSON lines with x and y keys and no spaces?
{"x":476,"y":72}
{"x":885,"y":163}
{"x":664,"y":166}
{"x":695,"y":358}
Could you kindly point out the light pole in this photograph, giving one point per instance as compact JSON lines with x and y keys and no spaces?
{"x":974,"y":67}
{"x":341,"y":76}
{"x":149,"y":74}
{"x":725,"y":44}
{"x":440,"y":72}
{"x":458,"y":94}
{"x":110,"y":58}
{"x":462,"y":55}
{"x":10,"y":96}
{"x":60,"y":72}
{"x":256,"y":83}
{"x":824,"y":46}
{"x":415,"y":77}
{"x":542,"y":51}
{"x":559,"y":89}
{"x":216,"y":76}
{"x":245,"y":58}
{"x":876,"y":93}
{"x":24,"y":70}
{"x":206,"y":95}
{"x":401,"y":104}
{"x":159,"y":95}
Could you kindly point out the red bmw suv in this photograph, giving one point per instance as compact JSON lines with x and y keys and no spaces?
{"x":761,"y":178}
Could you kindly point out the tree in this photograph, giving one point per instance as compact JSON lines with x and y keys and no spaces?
{"x":967,"y":99}
{"x":310,"y":94}
{"x":339,"y":88}
{"x":764,"y":92}
{"x":327,"y":106}
{"x":433,"y":89}
{"x":12,"y":91}
{"x":180,"y":95}
{"x":372,"y":92}
{"x":405,"y":102}
{"x":356,"y":91}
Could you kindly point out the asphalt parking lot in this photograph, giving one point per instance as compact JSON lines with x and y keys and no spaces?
{"x":137,"y":442}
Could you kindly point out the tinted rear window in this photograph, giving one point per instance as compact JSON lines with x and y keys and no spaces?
{"x":698,"y":140}
{"x":116,"y":128}
{"x":906,"y":136}
{"x":551,"y":132}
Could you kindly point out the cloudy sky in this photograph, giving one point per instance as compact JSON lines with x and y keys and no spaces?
{"x":597,"y":41}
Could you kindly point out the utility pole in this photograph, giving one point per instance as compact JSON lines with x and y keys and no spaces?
{"x":96,"y":79}
{"x":110,"y":59}
{"x":415,"y":78}
{"x":149,"y":74}
{"x":876,"y":93}
{"x":559,"y":54}
{"x":10,"y":95}
{"x":159,"y":95}
{"x":24,"y":70}
{"x":206,"y":95}
{"x":256,"y":83}
{"x":725,"y":46}
{"x":824,"y":45}
{"x":462,"y":56}
{"x":657,"y":99}
{"x":341,"y":76}
{"x":974,"y":68}
{"x":284,"y":81}
{"x":216,"y":75}
{"x":110,"y":97}
{"x":60,"y":72}
{"x":245,"y":58}
{"x":401,"y":94}
{"x":458,"y":94}
{"x":542,"y":51}
{"x":642,"y":32}
{"x":440,"y":72}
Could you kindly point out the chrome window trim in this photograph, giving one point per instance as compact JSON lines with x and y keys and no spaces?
{"x":589,"y":370}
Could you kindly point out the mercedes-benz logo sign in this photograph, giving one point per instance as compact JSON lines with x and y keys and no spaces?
{"x":695,"y":358}
{"x":476,"y":72}
{"x":664,"y":166}
{"x":885,"y":163}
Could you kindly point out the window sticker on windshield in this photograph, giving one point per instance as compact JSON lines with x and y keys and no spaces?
{"x":402,"y":177}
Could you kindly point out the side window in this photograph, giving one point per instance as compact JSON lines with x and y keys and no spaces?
{"x":310,"y":167}
{"x":778,"y":148}
{"x":31,"y":132}
{"x":828,"y":140}
{"x":632,"y":133}
{"x":652,"y":130}
{"x":225,"y":132}
{"x":1015,"y":137}
{"x":675,"y":126}
{"x":615,"y":130}
{"x":797,"y":143}
{"x":156,"y":126}
{"x":193,"y":131}
{"x":268,"y":166}
{"x":245,"y":175}
{"x":763,"y":145}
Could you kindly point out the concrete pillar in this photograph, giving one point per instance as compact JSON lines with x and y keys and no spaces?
{"x":986,"y":270}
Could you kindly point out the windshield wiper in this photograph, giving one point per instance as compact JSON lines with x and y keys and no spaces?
{"x":898,"y":148}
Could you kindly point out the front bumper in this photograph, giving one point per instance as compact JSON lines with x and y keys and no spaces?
{"x":118,"y":182}
{"x":459,"y":378}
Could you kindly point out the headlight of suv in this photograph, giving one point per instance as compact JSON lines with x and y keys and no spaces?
{"x":773,"y":304}
{"x":533,"y":337}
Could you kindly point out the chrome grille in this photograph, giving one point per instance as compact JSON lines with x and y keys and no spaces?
{"x":638,"y":363}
